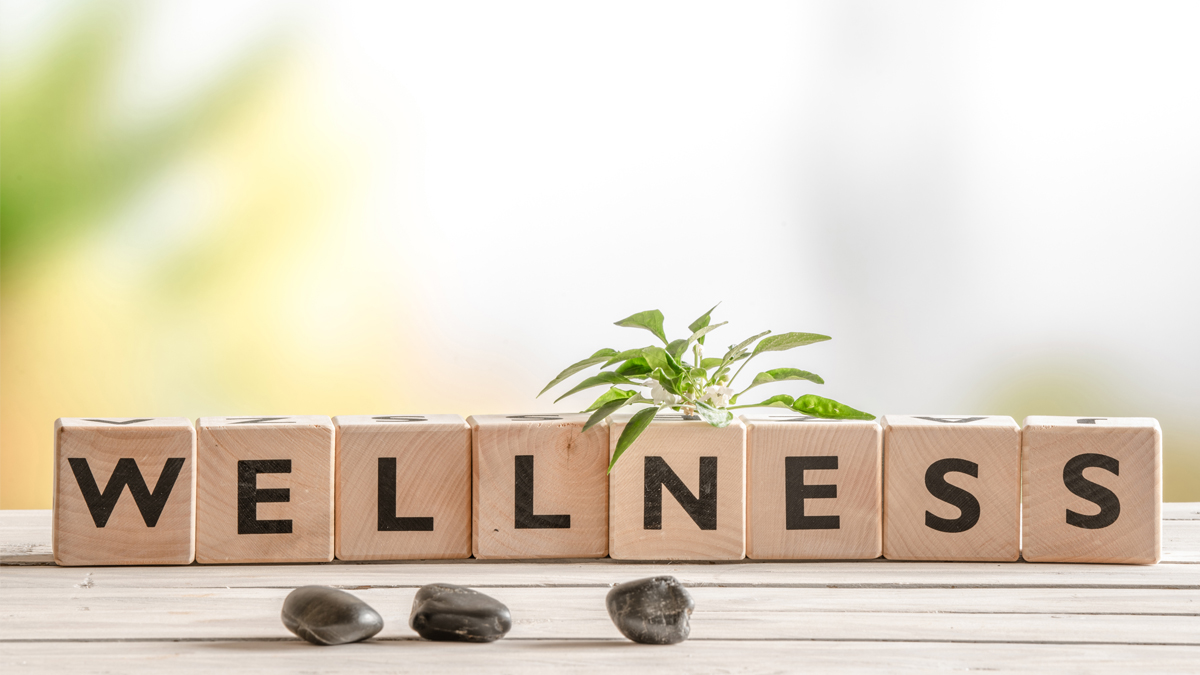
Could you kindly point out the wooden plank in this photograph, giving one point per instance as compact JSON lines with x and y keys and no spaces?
{"x":557,"y":656}
{"x":1181,"y":510}
{"x":1023,"y":615}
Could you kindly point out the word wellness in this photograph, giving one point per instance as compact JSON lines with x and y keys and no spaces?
{"x":768,"y":487}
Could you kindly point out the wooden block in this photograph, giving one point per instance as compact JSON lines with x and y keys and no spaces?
{"x":265,"y":488}
{"x":539,"y":486}
{"x":95,"y":460}
{"x":403,"y":489}
{"x":1092,"y":489}
{"x":814,"y":488}
{"x":951,"y":487}
{"x":679,"y":493}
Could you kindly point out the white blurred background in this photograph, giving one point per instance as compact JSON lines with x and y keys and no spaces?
{"x":435,"y":207}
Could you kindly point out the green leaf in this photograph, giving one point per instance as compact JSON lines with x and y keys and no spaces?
{"x":623,"y":356}
{"x":782,"y":375}
{"x":635,"y":367}
{"x":742,"y":345}
{"x":780,"y":401}
{"x":702,"y":322}
{"x":613,"y":394}
{"x":595,"y":381}
{"x":592,"y":360}
{"x":634,"y":428}
{"x":604,"y":411}
{"x":828,"y":408}
{"x":651,"y":320}
{"x":677,"y":347}
{"x":698,"y":336}
{"x":711,"y":363}
{"x":717,"y":417}
{"x":667,"y":383}
{"x":786,"y":341}
{"x":658,"y":357}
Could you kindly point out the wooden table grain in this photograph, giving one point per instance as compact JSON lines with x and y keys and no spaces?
{"x":751,"y":617}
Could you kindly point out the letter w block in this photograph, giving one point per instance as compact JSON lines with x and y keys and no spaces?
{"x":124,"y":491}
{"x":679,"y":492}
{"x":1092,"y":489}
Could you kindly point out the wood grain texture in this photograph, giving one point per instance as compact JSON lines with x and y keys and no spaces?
{"x":856,"y":488}
{"x":561,"y":472}
{"x":299,"y":455}
{"x":912,"y":444}
{"x":429,"y":458}
{"x":681,"y":445}
{"x":87,"y":452}
{"x":1051,"y":446}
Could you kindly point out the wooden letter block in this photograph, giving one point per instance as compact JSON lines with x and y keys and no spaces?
{"x":1092,"y":489}
{"x":952,"y":488}
{"x":265,"y":487}
{"x":814,"y":488}
{"x":95,"y":460}
{"x":403,"y":487}
{"x":679,"y":493}
{"x":540,"y":487}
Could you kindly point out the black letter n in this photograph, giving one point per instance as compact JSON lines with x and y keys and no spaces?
{"x":702,"y":509}
{"x":101,"y":504}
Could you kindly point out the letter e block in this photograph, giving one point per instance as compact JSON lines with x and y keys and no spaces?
{"x":952,"y":488}
{"x":1092,"y":489}
{"x":679,"y":492}
{"x":98,"y":461}
{"x":403,"y":487}
{"x":540,"y":486}
{"x":265,"y":489}
{"x":814,"y":488}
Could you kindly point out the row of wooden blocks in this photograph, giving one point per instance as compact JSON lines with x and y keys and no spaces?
{"x":771,"y":487}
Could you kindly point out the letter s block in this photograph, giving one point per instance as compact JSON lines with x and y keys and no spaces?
{"x":124,"y":491}
{"x":679,"y":493}
{"x":1092,"y":489}
{"x":814,"y":488}
{"x":540,"y":486}
{"x":264,"y":489}
{"x":952,"y":488}
{"x":403,"y":487}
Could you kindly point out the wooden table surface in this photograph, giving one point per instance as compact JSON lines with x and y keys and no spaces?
{"x":750,"y":616}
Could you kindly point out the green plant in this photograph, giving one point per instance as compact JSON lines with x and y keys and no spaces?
{"x":702,"y":388}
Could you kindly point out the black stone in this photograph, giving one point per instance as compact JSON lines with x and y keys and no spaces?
{"x":454,"y":613}
{"x":327,"y":616}
{"x":652,"y":611}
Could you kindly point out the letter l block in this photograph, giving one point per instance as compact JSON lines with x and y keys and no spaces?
{"x":124,"y":491}
{"x":1092,"y":489}
{"x":952,"y":488}
{"x":265,"y":489}
{"x":539,"y":486}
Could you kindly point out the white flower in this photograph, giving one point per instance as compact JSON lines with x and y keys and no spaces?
{"x":661,"y":396}
{"x":717,"y":395}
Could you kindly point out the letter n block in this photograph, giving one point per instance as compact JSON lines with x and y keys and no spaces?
{"x":540,"y":486}
{"x":814,"y":488}
{"x":403,"y":487}
{"x":679,"y":492}
{"x":952,"y":488}
{"x":265,"y":489}
{"x":98,"y":461}
{"x":1092,"y":489}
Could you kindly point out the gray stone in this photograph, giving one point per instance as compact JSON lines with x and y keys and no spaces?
{"x":458,"y":614}
{"x":652,"y":611}
{"x":327,"y":616}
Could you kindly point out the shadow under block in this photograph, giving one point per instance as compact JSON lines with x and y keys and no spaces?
{"x":124,"y":491}
{"x":679,"y":492}
{"x":403,"y":489}
{"x":814,"y":488}
{"x":539,"y":487}
{"x":1092,"y":489}
{"x":265,"y":489}
{"x":952,"y":488}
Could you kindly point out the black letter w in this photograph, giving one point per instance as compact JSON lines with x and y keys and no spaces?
{"x":101,"y":504}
